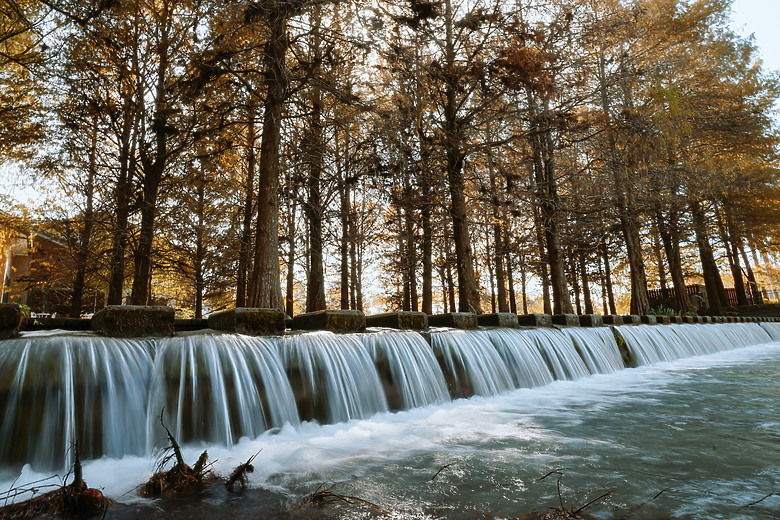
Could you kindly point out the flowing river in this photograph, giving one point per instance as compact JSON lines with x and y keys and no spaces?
{"x":694,"y":438}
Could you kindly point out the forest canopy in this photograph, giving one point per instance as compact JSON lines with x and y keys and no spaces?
{"x":489,"y":156}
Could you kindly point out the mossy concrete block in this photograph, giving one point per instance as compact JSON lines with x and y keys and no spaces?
{"x":249,"y":320}
{"x":675,"y":319}
{"x":566,"y":320}
{"x":404,"y":320}
{"x":648,"y":319}
{"x":341,"y":321}
{"x":457,"y":320}
{"x":697,"y":319}
{"x":10,"y":320}
{"x":591,"y":320}
{"x":132,"y":321}
{"x":498,"y":319}
{"x":631,"y":319}
{"x":534,"y":320}
{"x":663,"y":319}
{"x":625,"y":353}
{"x":613,"y":319}
{"x":687,"y":319}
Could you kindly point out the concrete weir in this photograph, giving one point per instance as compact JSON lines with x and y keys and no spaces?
{"x":149,"y":321}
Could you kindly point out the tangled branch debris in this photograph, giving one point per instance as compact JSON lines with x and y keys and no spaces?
{"x":322,"y":497}
{"x":239,"y":474}
{"x":570,"y":513}
{"x":180,"y":477}
{"x":76,"y":499}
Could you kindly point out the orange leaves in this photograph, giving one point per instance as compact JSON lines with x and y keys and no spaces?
{"x":523,"y":66}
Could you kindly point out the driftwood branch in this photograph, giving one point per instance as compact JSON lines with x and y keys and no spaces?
{"x":440,"y":470}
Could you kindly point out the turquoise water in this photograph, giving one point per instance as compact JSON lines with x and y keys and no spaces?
{"x":704,"y":430}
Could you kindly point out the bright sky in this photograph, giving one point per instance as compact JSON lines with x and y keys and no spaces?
{"x":760,"y":18}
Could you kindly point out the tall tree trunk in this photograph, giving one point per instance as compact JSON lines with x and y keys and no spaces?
{"x":85,"y":236}
{"x":315,"y":288}
{"x":154,"y":164}
{"x":547,"y":194}
{"x":624,"y":201}
{"x":120,"y":234}
{"x":716,"y":293}
{"x":575,"y":284}
{"x":290,"y":278}
{"x":411,"y":255}
{"x":608,"y":278}
{"x":542,"y":263}
{"x":498,"y":237}
{"x":468,"y":290}
{"x":448,"y":266}
{"x":244,"y":254}
{"x":344,"y":246}
{"x":265,"y":288}
{"x":733,"y":257}
{"x":427,"y":253}
{"x":659,"y":259}
{"x":427,"y":227}
{"x":753,"y":284}
{"x":199,"y":249}
{"x":585,"y":287}
{"x":670,"y":236}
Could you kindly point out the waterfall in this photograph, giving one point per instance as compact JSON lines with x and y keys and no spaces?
{"x":650,"y":344}
{"x":560,"y":353}
{"x":773,"y":329}
{"x":523,"y":359}
{"x":472,"y":362}
{"x":335,"y":376}
{"x":56,"y":388}
{"x":217,"y":388}
{"x":598,"y":349}
{"x":411,"y":375}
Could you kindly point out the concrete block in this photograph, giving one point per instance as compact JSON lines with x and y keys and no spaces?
{"x":534,"y":320}
{"x":613,"y":319}
{"x":456,"y":320}
{"x":132,"y":321}
{"x":249,"y":320}
{"x":498,"y":319}
{"x":648,"y":319}
{"x":331,"y":320}
{"x":404,"y":320}
{"x":591,"y":320}
{"x":631,"y":319}
{"x":663,"y":319}
{"x":566,"y":320}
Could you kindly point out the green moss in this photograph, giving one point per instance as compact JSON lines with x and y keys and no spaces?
{"x":622,"y":347}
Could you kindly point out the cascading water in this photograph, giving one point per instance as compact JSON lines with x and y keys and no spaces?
{"x":650,"y":344}
{"x":472,"y":362}
{"x":335,"y":375}
{"x":219,"y":388}
{"x":523,"y":359}
{"x":55,"y":389}
{"x":598,"y":349}
{"x":773,"y":329}
{"x":415,"y":379}
{"x":560,"y":353}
